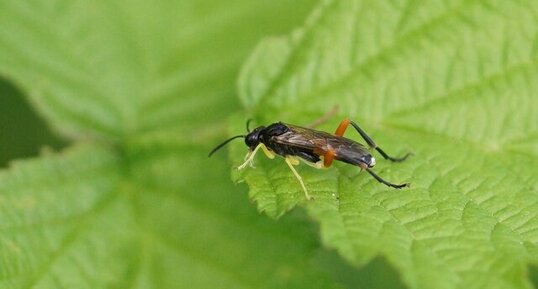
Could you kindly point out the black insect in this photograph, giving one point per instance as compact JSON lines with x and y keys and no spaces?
{"x":316,"y":148}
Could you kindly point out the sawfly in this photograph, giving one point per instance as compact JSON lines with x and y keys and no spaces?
{"x":316,"y":148}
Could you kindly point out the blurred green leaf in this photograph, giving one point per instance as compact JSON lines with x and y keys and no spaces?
{"x":112,"y":69}
{"x":453,"y":82}
{"x":83,"y":219}
{"x":60,"y":219}
{"x":143,"y":89}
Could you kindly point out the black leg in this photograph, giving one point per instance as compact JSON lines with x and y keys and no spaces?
{"x":373,"y":145}
{"x":379,"y":179}
{"x":387,"y":157}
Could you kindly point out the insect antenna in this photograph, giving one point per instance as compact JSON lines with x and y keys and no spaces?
{"x":248,"y":124}
{"x":224,"y":143}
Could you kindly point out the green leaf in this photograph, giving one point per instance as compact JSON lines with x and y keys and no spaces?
{"x":112,"y":69}
{"x":453,"y":82}
{"x":139,"y":204}
{"x":79,"y":220}
{"x":52,"y":236}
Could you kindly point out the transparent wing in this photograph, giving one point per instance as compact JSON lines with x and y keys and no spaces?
{"x":319,"y":142}
{"x":305,"y":138}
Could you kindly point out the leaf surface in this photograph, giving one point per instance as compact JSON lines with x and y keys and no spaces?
{"x":142,"y":89}
{"x":114,"y":69}
{"x":452,"y":82}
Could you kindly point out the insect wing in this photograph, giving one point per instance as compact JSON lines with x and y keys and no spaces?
{"x":303,"y":138}
{"x":322,"y":141}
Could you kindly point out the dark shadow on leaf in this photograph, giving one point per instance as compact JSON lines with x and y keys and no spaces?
{"x":22,"y":132}
{"x":533,"y":275}
{"x":378,"y":274}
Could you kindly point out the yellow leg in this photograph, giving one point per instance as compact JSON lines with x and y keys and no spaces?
{"x":267,"y":152}
{"x":250,"y":156}
{"x":291,"y":162}
{"x":318,"y":165}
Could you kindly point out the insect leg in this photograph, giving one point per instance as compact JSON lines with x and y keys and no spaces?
{"x":267,"y":152}
{"x":317,"y":165}
{"x":310,"y":159}
{"x":290,"y":162}
{"x":250,"y":156}
{"x":371,"y":142}
{"x":342,"y":127}
{"x":328,"y":158}
{"x":379,"y":179}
